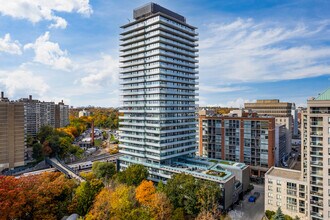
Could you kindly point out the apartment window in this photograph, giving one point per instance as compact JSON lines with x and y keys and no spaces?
{"x":278,"y":196}
{"x":270,"y":195}
{"x":270,"y":188}
{"x":291,"y":204}
{"x":270,"y":181}
{"x":329,"y":120}
{"x":328,"y":140}
{"x":329,"y":192}
{"x":278,"y":204}
{"x":278,"y":182}
{"x":328,"y":130}
{"x":278,"y":189}
{"x":270,"y":202}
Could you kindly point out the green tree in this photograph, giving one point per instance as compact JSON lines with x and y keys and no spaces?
{"x":44,"y":133}
{"x":269,"y":214}
{"x":37,"y":152}
{"x":140,"y":213}
{"x":85,"y":194}
{"x":133,"y":175}
{"x":278,"y":215}
{"x":160,"y":186}
{"x":178,"y":214}
{"x":181,"y":189}
{"x":208,"y":195}
{"x":104,"y":170}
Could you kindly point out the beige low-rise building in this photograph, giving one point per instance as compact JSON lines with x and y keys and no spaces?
{"x":285,"y":188}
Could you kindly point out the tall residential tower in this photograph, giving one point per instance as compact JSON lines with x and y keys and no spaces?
{"x":158,"y":78}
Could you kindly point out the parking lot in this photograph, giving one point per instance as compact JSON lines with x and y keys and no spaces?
{"x":250,"y":211}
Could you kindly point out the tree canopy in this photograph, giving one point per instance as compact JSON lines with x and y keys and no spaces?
{"x":133,"y":175}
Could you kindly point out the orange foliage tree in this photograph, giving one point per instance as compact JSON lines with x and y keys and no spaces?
{"x":43,"y":196}
{"x":145,"y":192}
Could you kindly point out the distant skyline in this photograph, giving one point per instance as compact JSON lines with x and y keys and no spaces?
{"x":249,"y":50}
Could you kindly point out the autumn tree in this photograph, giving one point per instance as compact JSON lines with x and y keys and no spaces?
{"x":145,"y":192}
{"x":27,"y":197}
{"x":122,"y":201}
{"x":205,"y":215}
{"x":161,"y":206}
{"x":133,"y":175}
{"x":101,"y":208}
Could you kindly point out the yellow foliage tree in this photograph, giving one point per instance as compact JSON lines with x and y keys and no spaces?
{"x":122,"y":201}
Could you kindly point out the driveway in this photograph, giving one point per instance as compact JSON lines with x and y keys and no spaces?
{"x":250,"y":211}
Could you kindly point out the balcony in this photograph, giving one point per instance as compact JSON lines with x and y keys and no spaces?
{"x":317,"y":173}
{"x":316,"y":183}
{"x":317,"y":153}
{"x":316,"y":124}
{"x":317,"y":134}
{"x":317,"y":193}
{"x":317,"y":163}
{"x":317,"y":215}
{"x":317,"y":203}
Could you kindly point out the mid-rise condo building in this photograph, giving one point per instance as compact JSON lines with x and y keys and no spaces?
{"x":242,"y":137}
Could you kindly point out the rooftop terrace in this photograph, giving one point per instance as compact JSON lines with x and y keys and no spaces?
{"x":210,"y":169}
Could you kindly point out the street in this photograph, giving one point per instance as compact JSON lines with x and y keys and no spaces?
{"x":250,"y":211}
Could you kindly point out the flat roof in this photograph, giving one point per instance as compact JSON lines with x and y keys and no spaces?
{"x":153,"y":8}
{"x":284,"y":173}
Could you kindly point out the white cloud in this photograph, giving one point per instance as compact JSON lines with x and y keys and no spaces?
{"x":246,"y":51}
{"x":221,"y":88}
{"x":101,"y":72}
{"x":38,"y":10}
{"x":9,"y":46}
{"x":237,"y":103}
{"x":49,"y":53}
{"x":22,"y":81}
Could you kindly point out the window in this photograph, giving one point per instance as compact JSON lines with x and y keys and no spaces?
{"x":278,"y":203}
{"x":329,"y":120}
{"x":278,"y":182}
{"x":270,"y":188}
{"x":270,"y":195}
{"x":270,"y":202}
{"x":270,"y":181}
{"x":278,"y":189}
{"x":278,"y":196}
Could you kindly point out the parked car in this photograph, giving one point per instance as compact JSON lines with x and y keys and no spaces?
{"x":254,"y":197}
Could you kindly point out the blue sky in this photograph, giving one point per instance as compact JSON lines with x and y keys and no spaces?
{"x":68,"y":49}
